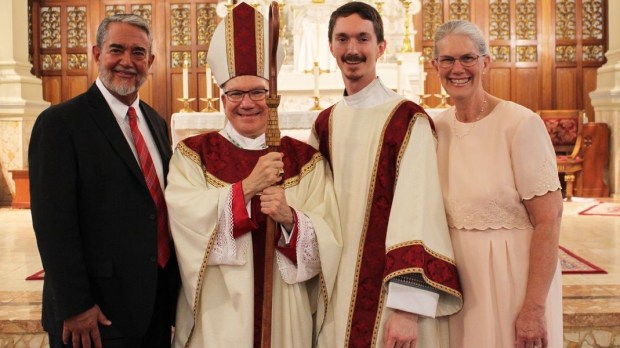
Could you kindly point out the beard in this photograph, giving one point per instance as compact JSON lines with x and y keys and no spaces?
{"x":121,"y":88}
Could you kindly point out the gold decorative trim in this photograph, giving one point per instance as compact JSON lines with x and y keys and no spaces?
{"x":76,"y":26}
{"x":201,"y":274}
{"x":499,"y":20}
{"x":78,"y":61}
{"x":432,"y":18}
{"x":526,"y":19}
{"x":206,"y":22}
{"x":142,"y":10}
{"x":189,"y":153}
{"x":565,"y":54}
{"x":593,"y":53}
{"x":111,"y":10}
{"x":401,"y":151}
{"x":230,"y":44}
{"x":260,"y":44}
{"x":305,"y":170}
{"x":500,"y":53}
{"x":565,"y":20}
{"x":592,"y":19}
{"x":177,"y":58}
{"x":180,"y":30}
{"x":527,"y":54}
{"x":50,"y":26}
{"x":51,"y":62}
{"x":459,"y":9}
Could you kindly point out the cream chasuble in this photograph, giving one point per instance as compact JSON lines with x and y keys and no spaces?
{"x":393,"y":220}
{"x":216,"y":305}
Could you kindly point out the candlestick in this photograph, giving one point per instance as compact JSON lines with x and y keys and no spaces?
{"x":379,"y":5}
{"x":406,"y":40}
{"x":209,"y":107}
{"x":443,"y":104}
{"x":399,"y":72}
{"x":316,"y":72}
{"x":423,"y":98}
{"x":209,"y":82}
{"x":422,"y":74}
{"x":186,"y":108}
{"x":185,"y":79}
{"x":317,"y":50}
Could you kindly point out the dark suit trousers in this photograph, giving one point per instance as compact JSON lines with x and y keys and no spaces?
{"x":158,"y":334}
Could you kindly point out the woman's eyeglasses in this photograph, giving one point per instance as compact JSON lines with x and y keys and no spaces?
{"x":466,"y":60}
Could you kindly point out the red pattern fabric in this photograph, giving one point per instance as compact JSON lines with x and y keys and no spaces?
{"x":434,"y":268}
{"x":563,"y":131}
{"x":244,"y":23}
{"x":152,"y":182}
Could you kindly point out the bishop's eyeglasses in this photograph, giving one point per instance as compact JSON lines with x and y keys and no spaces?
{"x":236,"y":95}
{"x":467,"y":60}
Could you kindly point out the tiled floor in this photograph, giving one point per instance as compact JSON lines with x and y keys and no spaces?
{"x":591,"y":302}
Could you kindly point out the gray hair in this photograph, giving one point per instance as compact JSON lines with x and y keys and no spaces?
{"x":128,"y":18}
{"x":460,"y":27}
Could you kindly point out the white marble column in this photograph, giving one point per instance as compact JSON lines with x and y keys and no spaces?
{"x":606,"y":97}
{"x":21,"y":94}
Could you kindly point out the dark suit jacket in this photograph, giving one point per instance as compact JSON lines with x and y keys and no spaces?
{"x":93,"y":216}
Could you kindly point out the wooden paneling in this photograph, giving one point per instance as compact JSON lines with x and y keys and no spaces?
{"x":77,"y":84}
{"x":527,"y":88}
{"x":52,"y":89}
{"x":499,"y":83}
{"x":147,"y":90}
{"x":176,"y":88}
{"x":595,"y":153}
{"x":566,"y":88}
{"x":589,"y":85}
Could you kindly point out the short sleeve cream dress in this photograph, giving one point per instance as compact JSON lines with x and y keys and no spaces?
{"x":487,"y":168}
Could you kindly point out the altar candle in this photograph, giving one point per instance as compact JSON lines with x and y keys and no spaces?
{"x":185,"y":80}
{"x":443,"y":91}
{"x":315,"y":72}
{"x":209,"y":82}
{"x":399,"y":78}
{"x":422,"y":76}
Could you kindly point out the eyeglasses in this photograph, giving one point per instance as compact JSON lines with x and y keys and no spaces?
{"x":254,"y":94}
{"x":466,"y":60}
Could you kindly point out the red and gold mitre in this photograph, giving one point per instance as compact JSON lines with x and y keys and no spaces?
{"x":240,"y":45}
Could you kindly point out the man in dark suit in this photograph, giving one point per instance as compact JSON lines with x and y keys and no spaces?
{"x":97,"y":171}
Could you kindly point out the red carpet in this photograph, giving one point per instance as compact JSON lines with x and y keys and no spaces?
{"x":573,"y":264}
{"x":37,"y":276}
{"x":603,"y":209}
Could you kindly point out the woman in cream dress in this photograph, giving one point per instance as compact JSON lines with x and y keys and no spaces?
{"x":503,"y":203}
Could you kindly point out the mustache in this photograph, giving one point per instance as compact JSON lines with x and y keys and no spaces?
{"x":129,"y":71}
{"x":353,"y":58}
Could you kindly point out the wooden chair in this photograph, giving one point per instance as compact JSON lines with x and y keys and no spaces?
{"x":564,"y":128}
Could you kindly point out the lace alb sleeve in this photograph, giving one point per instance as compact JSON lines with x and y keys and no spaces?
{"x":307,"y":251}
{"x":227,"y":250}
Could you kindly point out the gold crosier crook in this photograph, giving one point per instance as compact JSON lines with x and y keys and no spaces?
{"x":272,"y":139}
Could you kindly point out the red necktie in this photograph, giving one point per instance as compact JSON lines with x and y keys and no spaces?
{"x":152,"y":182}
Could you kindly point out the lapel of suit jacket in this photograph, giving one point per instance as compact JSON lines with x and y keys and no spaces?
{"x":103,"y":117}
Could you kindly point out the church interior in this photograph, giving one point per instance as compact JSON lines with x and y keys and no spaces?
{"x":559,"y":58}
